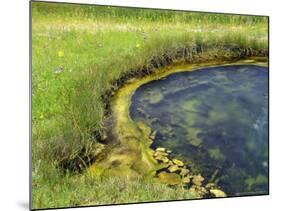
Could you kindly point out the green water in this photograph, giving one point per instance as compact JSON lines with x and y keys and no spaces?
{"x":216,"y":120}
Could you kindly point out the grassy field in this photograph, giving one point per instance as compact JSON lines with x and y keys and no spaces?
{"x":77,"y":53}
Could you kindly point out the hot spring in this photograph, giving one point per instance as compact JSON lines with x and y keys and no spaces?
{"x":215,"y":119}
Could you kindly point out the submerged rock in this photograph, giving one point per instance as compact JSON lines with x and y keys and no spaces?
{"x":184,"y":172}
{"x":162,"y":158}
{"x":186,"y":180}
{"x":217,"y":193}
{"x":197,"y":180}
{"x":169,"y":178}
{"x":160,"y":149}
{"x":210,"y":185}
{"x":178,"y":162}
{"x":170,"y":163}
{"x":198,"y":190}
{"x":173,"y":168}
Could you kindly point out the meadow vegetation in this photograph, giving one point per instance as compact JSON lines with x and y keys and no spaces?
{"x":78,"y":54}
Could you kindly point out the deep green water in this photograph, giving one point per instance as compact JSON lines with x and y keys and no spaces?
{"x":216,"y":120}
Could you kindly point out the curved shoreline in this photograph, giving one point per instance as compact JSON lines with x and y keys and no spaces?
{"x":130,"y":155}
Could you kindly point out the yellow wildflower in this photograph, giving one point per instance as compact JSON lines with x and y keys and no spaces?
{"x":60,"y":53}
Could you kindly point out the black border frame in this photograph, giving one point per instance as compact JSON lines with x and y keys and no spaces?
{"x":131,"y":203}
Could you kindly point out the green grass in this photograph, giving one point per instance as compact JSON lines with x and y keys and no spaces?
{"x":77,"y":51}
{"x":55,"y":189}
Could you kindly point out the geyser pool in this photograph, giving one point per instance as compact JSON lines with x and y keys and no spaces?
{"x":215,"y":119}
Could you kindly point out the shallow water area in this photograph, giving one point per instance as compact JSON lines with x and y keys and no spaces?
{"x":215,"y":119}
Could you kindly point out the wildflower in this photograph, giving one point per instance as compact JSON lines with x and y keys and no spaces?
{"x":60,"y":53}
